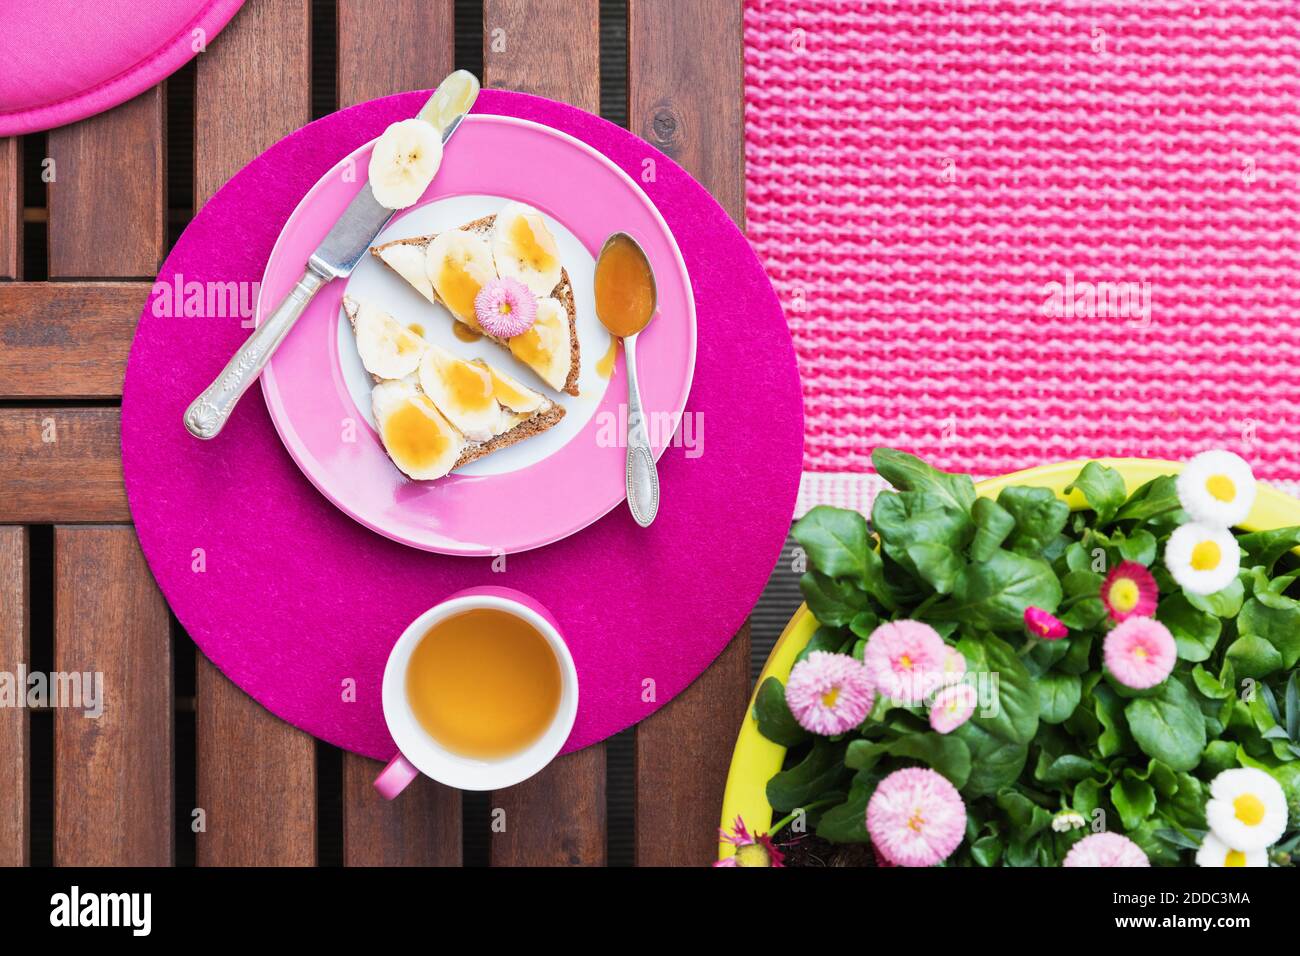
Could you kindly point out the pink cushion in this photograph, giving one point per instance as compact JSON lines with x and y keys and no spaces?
{"x":64,"y":60}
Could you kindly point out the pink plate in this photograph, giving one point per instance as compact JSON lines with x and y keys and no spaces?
{"x":326,"y":432}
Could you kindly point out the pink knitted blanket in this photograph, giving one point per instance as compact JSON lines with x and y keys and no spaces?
{"x":1008,"y":232}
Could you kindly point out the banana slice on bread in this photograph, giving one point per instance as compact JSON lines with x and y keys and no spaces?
{"x":440,"y":412}
{"x":515,"y":243}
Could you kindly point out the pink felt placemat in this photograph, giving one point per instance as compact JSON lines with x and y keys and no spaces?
{"x":293,"y":600}
{"x":64,"y":60}
{"x":920,"y":172}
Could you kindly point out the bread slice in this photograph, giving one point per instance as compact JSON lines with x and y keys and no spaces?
{"x":546,"y":415}
{"x":482,"y":227}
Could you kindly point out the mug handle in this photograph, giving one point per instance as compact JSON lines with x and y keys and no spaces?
{"x":395,"y":778}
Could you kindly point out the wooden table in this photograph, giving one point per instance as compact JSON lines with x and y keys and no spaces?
{"x":75,"y":593}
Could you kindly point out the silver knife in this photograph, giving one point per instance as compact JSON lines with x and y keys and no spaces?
{"x":335,"y":258}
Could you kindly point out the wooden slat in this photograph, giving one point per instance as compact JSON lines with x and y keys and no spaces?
{"x":66,"y":339}
{"x":422,"y":827}
{"x":256,"y":774}
{"x":113,"y":774}
{"x":389,"y":46}
{"x":11,"y":209}
{"x":60,"y":465}
{"x":547,"y":47}
{"x":256,"y":780}
{"x":108,"y":200}
{"x":551,"y":48}
{"x":686,"y":96}
{"x":15,"y":784}
{"x":556,"y":818}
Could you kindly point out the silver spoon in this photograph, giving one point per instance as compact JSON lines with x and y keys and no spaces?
{"x":625,"y":304}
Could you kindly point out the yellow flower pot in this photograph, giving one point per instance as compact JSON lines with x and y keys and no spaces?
{"x":756,"y":759}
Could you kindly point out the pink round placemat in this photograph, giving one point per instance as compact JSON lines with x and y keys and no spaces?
{"x":294,"y":601}
{"x":64,"y":60}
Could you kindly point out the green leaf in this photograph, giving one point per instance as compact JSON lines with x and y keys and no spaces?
{"x":1086,"y":797}
{"x":1220,"y":755}
{"x":1277,"y":623}
{"x":1103,"y":488}
{"x":775,"y":722}
{"x":992,"y":525}
{"x":1195,"y":632}
{"x":987,"y":850}
{"x":832,"y":601}
{"x":1252,"y":656}
{"x":1013,"y":714}
{"x":1168,"y":726}
{"x":909,"y":473}
{"x":1109,"y":707}
{"x":1225,"y":603}
{"x":847,"y":822}
{"x":943,"y":753}
{"x":1063,"y":769}
{"x":835,"y":540}
{"x":924,"y":533}
{"x":1139,"y":546}
{"x":1293,"y":706}
{"x":808,"y":779}
{"x":994,"y":762}
{"x":1209,"y":685}
{"x":1058,"y":695}
{"x":1265,"y":547}
{"x":1039,"y":517}
{"x":1155,"y":497}
{"x":1134,"y":799}
{"x":829,"y":639}
{"x":993,"y":595}
{"x":1085,"y":615}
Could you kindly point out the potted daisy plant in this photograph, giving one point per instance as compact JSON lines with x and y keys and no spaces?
{"x":1079,"y":665}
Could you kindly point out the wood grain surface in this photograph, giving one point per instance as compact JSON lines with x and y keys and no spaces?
{"x":686,"y":97}
{"x":15,"y":785}
{"x":66,"y":339}
{"x":11,"y":209}
{"x":422,"y":827}
{"x":256,"y":774}
{"x":108,"y":197}
{"x":60,"y":465}
{"x":113,"y":778}
{"x":547,"y":47}
{"x":556,"y":818}
{"x":390,"y":46}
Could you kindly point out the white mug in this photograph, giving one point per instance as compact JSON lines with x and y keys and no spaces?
{"x":419,"y":752}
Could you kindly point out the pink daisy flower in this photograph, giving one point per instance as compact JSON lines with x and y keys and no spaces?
{"x":1140,"y":653}
{"x":1129,"y":591}
{"x":829,"y":693}
{"x":750,"y":850}
{"x":905,"y":660}
{"x":505,"y":307}
{"x":1105,"y":849}
{"x":952,"y":707}
{"x":916,"y":817}
{"x":1043,"y":625}
{"x":954,"y":666}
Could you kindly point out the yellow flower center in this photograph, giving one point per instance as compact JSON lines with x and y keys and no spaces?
{"x":1124,"y":594}
{"x":1140,"y":653}
{"x":1249,"y":809}
{"x":1205,"y":556}
{"x":1221,"y":487}
{"x":916,"y":821}
{"x":752,"y":854}
{"x":1234,"y":858}
{"x":905,"y":662}
{"x":830,"y":697}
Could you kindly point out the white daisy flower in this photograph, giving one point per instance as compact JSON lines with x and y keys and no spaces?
{"x":1203,"y":559}
{"x":1068,"y":820}
{"x":1217,"y":488}
{"x":1214,"y":852}
{"x":1247,"y":809}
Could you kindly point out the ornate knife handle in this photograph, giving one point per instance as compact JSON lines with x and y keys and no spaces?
{"x":642,"y":476}
{"x":208,"y":413}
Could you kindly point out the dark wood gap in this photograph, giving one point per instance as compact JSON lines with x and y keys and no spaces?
{"x":476,"y":828}
{"x":184,"y":746}
{"x":469,"y":36}
{"x":41,"y":654}
{"x":324,"y":58}
{"x":620,"y":798}
{"x":613,"y":61}
{"x":180,"y":150}
{"x":60,"y":403}
{"x":36,"y":234}
{"x":329,"y":804}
